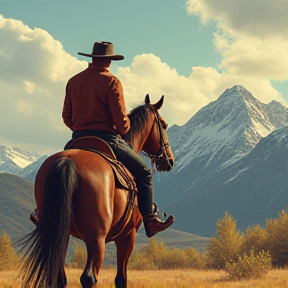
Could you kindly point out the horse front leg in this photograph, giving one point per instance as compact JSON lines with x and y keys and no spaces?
{"x":125,"y":247}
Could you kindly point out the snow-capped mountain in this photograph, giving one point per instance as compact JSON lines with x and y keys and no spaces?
{"x":226,"y":129}
{"x":207,"y":149}
{"x":14,"y":159}
{"x":30,"y":171}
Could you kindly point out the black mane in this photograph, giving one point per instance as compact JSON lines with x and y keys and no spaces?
{"x":138,"y":119}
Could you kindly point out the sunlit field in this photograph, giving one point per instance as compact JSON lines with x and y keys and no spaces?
{"x":164,"y":279}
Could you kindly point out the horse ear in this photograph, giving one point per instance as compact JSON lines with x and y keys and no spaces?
{"x":147,"y":99}
{"x":159,"y":104}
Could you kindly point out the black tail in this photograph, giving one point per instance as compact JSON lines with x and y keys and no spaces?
{"x":47,"y":244}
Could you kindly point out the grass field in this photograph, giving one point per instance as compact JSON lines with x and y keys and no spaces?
{"x":164,"y":279}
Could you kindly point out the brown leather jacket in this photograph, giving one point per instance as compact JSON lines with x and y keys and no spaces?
{"x":94,"y":100}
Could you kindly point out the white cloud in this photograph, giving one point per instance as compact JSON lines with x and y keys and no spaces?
{"x":25,"y":108}
{"x":148,"y":74}
{"x":184,"y":96}
{"x":29,"y":87}
{"x":251,"y":38}
{"x":34,"y":70}
{"x":259,"y":18}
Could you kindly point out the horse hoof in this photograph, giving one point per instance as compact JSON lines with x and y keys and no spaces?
{"x":120,"y":283}
{"x":87,"y":281}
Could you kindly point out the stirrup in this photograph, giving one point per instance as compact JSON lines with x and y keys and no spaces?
{"x":34,"y":217}
{"x":160,"y":214}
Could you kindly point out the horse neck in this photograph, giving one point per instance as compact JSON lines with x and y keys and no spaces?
{"x":140,"y":138}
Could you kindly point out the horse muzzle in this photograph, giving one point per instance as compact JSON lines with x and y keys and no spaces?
{"x":164,"y":164}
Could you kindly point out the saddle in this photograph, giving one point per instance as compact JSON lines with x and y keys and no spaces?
{"x":123,"y":178}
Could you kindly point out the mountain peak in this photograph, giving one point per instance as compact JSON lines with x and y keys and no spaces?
{"x":237,"y":92}
{"x":16,"y":156}
{"x":238,"y":88}
{"x":236,"y":120}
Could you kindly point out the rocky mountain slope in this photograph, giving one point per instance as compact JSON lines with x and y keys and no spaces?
{"x":212,"y":149}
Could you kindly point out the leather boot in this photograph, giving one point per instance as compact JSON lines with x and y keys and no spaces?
{"x":153,"y":224}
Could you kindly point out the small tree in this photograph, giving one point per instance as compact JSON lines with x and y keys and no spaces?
{"x":255,"y":239}
{"x":225,"y":248}
{"x":277,"y":239}
{"x":8,"y":256}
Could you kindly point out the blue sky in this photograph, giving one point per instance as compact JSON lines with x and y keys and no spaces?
{"x":160,"y":27}
{"x":190,"y":51}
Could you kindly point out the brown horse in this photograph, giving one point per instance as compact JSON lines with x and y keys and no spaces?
{"x":76,"y":194}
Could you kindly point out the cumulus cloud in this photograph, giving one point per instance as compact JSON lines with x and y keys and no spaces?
{"x":34,"y":69}
{"x":184,"y":96}
{"x":33,"y":72}
{"x":251,"y":36}
{"x":259,"y":18}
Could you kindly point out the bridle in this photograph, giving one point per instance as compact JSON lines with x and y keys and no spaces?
{"x":163,"y":146}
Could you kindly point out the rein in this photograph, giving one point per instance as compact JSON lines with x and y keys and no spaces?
{"x":162,"y":151}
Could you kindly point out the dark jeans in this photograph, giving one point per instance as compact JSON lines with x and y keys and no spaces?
{"x":132,"y":161}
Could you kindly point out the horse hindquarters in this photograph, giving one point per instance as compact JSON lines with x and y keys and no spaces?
{"x":93,"y":211}
{"x":47,"y":244}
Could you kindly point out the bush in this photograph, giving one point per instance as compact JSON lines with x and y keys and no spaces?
{"x":8,"y":256}
{"x":79,"y":257}
{"x":183,"y":259}
{"x":156,"y":256}
{"x":194,"y":259}
{"x":255,"y":239}
{"x":149,"y":257}
{"x":141,"y":261}
{"x":249,"y":266}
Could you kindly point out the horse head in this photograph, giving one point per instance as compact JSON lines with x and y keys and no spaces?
{"x":156,"y":144}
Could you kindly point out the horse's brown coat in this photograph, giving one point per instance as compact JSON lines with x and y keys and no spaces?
{"x":98,"y":206}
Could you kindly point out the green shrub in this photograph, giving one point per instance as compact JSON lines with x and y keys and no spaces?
{"x":249,"y":266}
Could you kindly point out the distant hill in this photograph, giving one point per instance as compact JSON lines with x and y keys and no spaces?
{"x":175,"y":239}
{"x":16,"y":204}
{"x":19,"y":162}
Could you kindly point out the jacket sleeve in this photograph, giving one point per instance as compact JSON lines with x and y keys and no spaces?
{"x":117,"y":106}
{"x":67,"y":110}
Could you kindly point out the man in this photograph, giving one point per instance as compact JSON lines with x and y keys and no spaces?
{"x":94,"y":106}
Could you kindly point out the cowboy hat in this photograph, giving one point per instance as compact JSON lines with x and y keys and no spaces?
{"x":103,"y":49}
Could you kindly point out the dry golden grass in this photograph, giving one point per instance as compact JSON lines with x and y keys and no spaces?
{"x":164,"y":279}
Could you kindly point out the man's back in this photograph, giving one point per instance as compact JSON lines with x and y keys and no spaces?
{"x":94,"y":100}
